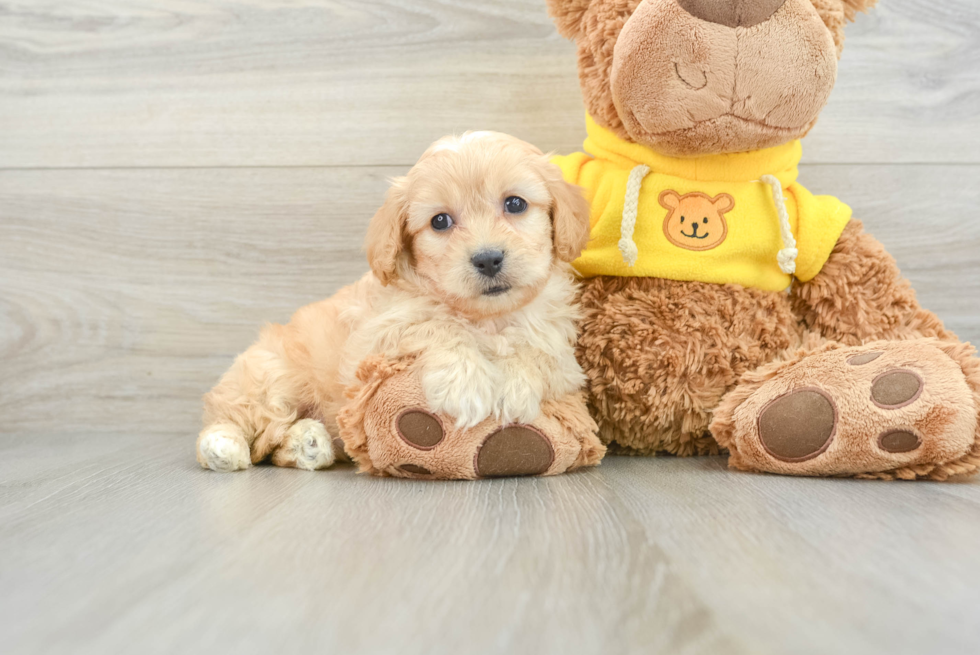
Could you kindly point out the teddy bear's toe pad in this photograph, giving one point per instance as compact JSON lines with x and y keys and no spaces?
{"x":420,"y":429}
{"x":799,"y":425}
{"x":899,"y":441}
{"x":896,"y":389}
{"x":512,"y":451}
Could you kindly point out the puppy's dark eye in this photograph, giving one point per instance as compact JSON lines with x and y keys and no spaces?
{"x":515,"y":205}
{"x":442,"y":222}
{"x":682,"y":219}
{"x":706,"y":221}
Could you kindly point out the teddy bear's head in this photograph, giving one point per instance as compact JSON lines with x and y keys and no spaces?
{"x":698,"y":77}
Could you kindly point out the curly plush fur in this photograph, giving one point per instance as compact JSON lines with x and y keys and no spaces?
{"x":660,"y":355}
{"x":861,"y":296}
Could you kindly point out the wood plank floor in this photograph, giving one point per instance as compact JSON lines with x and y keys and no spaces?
{"x":119,"y":543}
{"x":175,"y":173}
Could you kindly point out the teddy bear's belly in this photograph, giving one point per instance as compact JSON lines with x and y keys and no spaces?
{"x":660,"y":354}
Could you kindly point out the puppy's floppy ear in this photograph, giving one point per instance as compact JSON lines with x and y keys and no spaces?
{"x":386,"y":233}
{"x":569,"y":214}
{"x":568,"y":16}
{"x":836,"y":13}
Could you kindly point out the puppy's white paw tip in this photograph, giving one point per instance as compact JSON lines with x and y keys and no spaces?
{"x":224,"y":451}
{"x":311,"y":445}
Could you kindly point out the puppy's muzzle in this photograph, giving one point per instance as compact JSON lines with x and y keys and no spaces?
{"x":488,"y":262}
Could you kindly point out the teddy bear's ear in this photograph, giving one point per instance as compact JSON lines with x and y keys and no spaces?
{"x":568,"y":16}
{"x":836,"y":13}
{"x":670,"y":199}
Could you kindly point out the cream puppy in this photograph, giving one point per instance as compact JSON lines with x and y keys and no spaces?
{"x":469,"y":276}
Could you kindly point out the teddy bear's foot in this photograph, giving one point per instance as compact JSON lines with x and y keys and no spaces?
{"x":885,"y":410}
{"x":387,"y":430}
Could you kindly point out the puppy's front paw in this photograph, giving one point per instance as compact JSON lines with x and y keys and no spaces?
{"x":223,"y":448}
{"x":465,"y":392}
{"x":519,"y":400}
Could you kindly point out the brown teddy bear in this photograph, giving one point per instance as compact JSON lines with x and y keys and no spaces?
{"x":726,"y":306}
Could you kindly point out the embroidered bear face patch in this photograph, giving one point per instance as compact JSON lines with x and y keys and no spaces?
{"x":696,"y":221}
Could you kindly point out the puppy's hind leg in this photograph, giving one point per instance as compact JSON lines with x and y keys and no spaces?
{"x":256,"y":411}
{"x":307,"y":445}
{"x":222,"y":447}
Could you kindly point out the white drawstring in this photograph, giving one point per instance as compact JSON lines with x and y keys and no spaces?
{"x":631,"y":207}
{"x":787,"y":256}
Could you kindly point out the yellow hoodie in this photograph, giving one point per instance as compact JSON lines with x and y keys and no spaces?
{"x":738,"y":218}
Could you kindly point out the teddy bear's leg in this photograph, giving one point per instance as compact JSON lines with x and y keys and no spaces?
{"x":388,"y":431}
{"x":860,"y":295}
{"x":888,"y":409}
{"x":660,"y":355}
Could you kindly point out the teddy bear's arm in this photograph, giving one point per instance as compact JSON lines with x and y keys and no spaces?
{"x":860,"y":295}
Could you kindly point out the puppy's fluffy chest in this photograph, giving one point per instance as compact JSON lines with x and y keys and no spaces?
{"x":397,"y":322}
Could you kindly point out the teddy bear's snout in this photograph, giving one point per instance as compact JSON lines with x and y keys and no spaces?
{"x":732,"y":13}
{"x":693,"y":76}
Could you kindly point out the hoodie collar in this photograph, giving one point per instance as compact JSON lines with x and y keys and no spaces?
{"x":781,"y":161}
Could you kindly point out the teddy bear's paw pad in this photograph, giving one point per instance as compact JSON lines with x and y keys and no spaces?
{"x":514,"y":451}
{"x":798,"y":425}
{"x":859,"y":411}
{"x":420,"y":429}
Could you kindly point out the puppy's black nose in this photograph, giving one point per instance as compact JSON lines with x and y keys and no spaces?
{"x":488,"y":262}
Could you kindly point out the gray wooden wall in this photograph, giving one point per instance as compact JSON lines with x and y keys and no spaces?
{"x":173,"y":173}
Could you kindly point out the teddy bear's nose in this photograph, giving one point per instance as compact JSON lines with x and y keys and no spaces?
{"x":732,"y":13}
